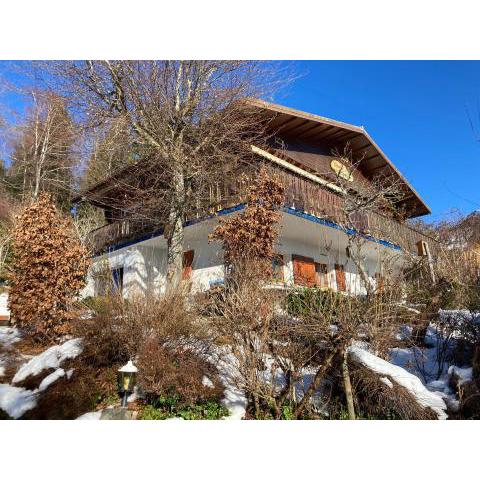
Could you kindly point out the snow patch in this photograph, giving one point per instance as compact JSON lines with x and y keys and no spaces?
{"x":400,"y":376}
{"x":206,"y":382}
{"x":464,"y":375}
{"x":234,"y":398}
{"x":51,"y":358}
{"x":459,"y":316}
{"x":4,"y":304}
{"x":9,"y":335}
{"x":16,"y":401}
{"x":49,"y":379}
{"x":386,"y":381}
{"x":90,"y":416}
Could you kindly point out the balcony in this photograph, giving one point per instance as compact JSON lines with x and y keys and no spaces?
{"x":301,"y":194}
{"x":117,"y":233}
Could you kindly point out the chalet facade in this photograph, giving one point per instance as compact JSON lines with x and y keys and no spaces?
{"x":312,"y":247}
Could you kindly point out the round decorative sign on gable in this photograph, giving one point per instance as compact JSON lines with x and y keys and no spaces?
{"x":341,"y":170}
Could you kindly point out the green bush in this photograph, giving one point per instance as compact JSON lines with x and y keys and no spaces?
{"x":303,"y":301}
{"x":99,"y":304}
{"x":168,"y":407}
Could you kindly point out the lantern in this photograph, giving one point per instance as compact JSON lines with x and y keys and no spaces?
{"x":127,"y":376}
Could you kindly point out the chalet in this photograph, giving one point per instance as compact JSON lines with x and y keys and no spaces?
{"x":312,"y":247}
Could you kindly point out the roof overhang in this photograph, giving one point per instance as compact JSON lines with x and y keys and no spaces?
{"x":303,"y":126}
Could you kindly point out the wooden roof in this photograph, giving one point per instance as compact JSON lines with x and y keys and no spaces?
{"x":306,"y":127}
{"x":303,"y":127}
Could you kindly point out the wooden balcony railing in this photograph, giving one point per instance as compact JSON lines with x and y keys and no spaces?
{"x":301,"y":194}
{"x":117,"y":233}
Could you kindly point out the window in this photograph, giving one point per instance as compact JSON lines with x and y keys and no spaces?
{"x":340,"y":277}
{"x":277,"y":268}
{"x":304,"y":271}
{"x":321,"y":275}
{"x":187,"y":264}
{"x":117,"y":276}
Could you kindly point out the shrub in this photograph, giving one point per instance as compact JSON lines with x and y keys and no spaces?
{"x":176,"y":374}
{"x":117,"y":328}
{"x":376,"y":400}
{"x":251,"y":235}
{"x":210,"y":410}
{"x":302,"y":301}
{"x":84,"y":391}
{"x":49,"y":266}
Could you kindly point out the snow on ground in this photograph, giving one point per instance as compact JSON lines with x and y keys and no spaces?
{"x":460,"y":316}
{"x":49,"y":379}
{"x":9,"y":335}
{"x":424,"y":363}
{"x":464,"y":375}
{"x":234,"y":398}
{"x":16,"y":401}
{"x":206,"y":382}
{"x":4,"y":304}
{"x":51,"y":358}
{"x":90,"y":416}
{"x":399,"y":375}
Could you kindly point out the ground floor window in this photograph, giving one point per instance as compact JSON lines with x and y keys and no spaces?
{"x":277,"y":268}
{"x":321,"y":275}
{"x":117,"y":277}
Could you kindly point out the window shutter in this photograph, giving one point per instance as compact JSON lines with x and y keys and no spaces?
{"x":187,"y":264}
{"x":340,"y":276}
{"x":303,"y":271}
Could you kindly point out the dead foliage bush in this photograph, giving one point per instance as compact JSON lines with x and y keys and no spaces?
{"x":251,"y":235}
{"x":49,"y":266}
{"x":375,"y":399}
{"x":179,"y":373}
{"x":68,"y":398}
{"x":116,"y":331}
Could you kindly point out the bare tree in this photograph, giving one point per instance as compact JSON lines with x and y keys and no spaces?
{"x":7,"y":216}
{"x":41,"y":157}
{"x":360,"y":199}
{"x":109,"y":148}
{"x":189,"y":123}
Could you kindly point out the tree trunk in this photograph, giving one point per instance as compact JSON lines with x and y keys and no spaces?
{"x":355,"y":256}
{"x":314,"y":385}
{"x":175,"y":233}
{"x":347,"y":385}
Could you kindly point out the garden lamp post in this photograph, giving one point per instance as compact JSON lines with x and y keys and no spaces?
{"x":127,"y":376}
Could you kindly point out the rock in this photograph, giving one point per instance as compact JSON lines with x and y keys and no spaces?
{"x":118,"y":413}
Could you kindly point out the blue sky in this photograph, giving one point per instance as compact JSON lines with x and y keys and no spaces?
{"x":415,"y":110}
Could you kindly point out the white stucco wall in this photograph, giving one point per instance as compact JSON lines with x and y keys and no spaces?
{"x":144,"y":263}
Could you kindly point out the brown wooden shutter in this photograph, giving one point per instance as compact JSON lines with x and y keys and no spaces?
{"x":321,"y":275}
{"x":187,"y":264}
{"x":303,"y":271}
{"x":379,"y":282}
{"x":340,"y":276}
